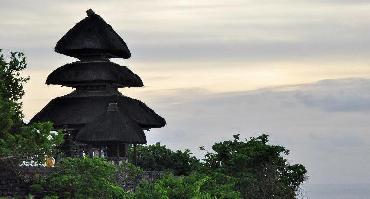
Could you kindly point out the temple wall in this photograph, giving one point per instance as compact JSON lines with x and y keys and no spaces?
{"x":17,"y":182}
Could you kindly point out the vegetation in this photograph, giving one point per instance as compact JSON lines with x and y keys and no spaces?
{"x":31,"y":143}
{"x":257,"y":169}
{"x":83,"y":178}
{"x":18,"y":141}
{"x":159,"y":158}
{"x":182,"y":187}
{"x":11,"y":88}
{"x":250,"y":169}
{"x":97,"y":178}
{"x":261,"y":169}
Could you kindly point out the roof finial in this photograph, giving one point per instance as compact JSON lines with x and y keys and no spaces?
{"x":90,"y":12}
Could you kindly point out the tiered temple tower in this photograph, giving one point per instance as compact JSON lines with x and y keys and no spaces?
{"x":96,"y":116}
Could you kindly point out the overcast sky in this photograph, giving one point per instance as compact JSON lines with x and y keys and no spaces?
{"x":298,"y":70}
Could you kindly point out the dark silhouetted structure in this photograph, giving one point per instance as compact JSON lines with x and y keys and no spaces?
{"x":96,"y":116}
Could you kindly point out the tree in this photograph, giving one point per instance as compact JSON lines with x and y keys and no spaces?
{"x":18,"y":141}
{"x":261,"y":169}
{"x":157,"y":157}
{"x":31,"y":144}
{"x":11,"y":87}
{"x":7,"y":115}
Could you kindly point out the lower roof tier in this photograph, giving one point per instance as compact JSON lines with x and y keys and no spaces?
{"x":112,"y":127}
{"x":75,"y":111}
{"x":94,"y":72}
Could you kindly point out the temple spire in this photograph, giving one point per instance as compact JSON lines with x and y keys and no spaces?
{"x":96,"y":114}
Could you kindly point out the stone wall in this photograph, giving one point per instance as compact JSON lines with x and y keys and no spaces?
{"x":17,"y":182}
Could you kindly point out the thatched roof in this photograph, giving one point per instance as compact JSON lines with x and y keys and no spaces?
{"x":112,"y":127}
{"x":96,"y":72}
{"x":92,"y":37}
{"x":76,"y":111}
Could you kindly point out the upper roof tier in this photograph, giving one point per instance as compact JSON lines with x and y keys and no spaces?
{"x":92,"y":38}
{"x":92,"y":73}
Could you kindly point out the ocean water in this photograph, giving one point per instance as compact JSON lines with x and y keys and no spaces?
{"x":336,"y":191}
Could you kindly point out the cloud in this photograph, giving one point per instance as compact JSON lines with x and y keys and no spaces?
{"x":347,"y":2}
{"x":327,"y":120}
{"x":199,"y":30}
{"x":333,"y":95}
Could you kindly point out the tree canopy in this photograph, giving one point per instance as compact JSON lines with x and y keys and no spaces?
{"x":19,"y":141}
{"x":158,"y":157}
{"x":260,"y":170}
{"x":11,"y":87}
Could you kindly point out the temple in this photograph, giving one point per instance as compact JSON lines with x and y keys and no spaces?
{"x":96,"y":117}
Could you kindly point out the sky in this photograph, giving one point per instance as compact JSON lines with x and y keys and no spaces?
{"x":298,"y":70}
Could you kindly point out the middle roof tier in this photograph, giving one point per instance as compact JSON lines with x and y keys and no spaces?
{"x":76,"y":111}
{"x":94,"y":73}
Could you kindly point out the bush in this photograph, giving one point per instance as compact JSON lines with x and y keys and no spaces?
{"x":84,"y":178}
{"x":157,"y":157}
{"x":187,"y":187}
{"x":220,"y":186}
{"x":31,"y":143}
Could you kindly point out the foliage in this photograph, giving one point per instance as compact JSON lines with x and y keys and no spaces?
{"x":20,"y":142}
{"x":186,"y":187}
{"x":11,"y":84}
{"x":32,"y":143}
{"x":84,"y":178}
{"x":249,"y":169}
{"x":260,"y":169}
{"x":157,"y":157}
{"x":7,"y":115}
{"x":95,"y":178}
{"x":220,"y":186}
{"x":256,"y":168}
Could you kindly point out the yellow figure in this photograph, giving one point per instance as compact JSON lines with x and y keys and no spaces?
{"x":49,"y":161}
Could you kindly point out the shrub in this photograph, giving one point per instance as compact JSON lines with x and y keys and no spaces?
{"x":84,"y":178}
{"x":187,"y":187}
{"x":157,"y":157}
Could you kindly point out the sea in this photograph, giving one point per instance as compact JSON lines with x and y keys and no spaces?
{"x":335,"y":191}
